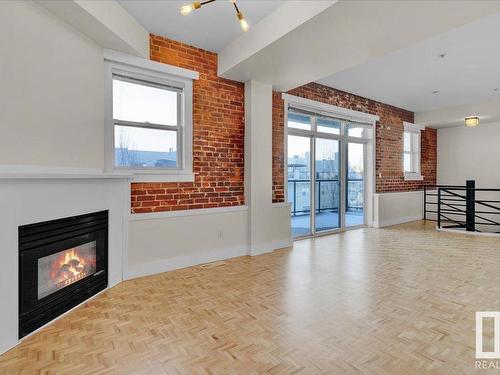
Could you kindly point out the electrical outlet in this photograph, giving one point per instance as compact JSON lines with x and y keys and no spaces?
{"x":219,"y":235}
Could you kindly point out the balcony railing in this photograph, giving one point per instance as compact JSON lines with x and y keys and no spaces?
{"x":327,"y":195}
{"x":463,"y":207}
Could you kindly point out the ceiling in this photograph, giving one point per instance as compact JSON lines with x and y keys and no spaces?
{"x":406,"y":78}
{"x":212,"y":27}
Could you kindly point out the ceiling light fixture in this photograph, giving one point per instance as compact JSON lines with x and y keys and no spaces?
{"x":241,"y":18}
{"x":186,"y":9}
{"x":472,"y":121}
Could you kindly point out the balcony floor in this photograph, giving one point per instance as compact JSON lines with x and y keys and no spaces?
{"x":324,"y":221}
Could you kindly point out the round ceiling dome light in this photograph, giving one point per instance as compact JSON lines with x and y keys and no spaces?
{"x":472,"y":121}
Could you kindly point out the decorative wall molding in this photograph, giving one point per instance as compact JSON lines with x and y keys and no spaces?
{"x":181,"y":213}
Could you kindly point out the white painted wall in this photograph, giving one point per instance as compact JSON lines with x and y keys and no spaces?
{"x":281,"y":224}
{"x":469,"y":154}
{"x":51,"y":97}
{"x":396,"y":208}
{"x":104,"y":21}
{"x":162,"y":242}
{"x":258,"y":165}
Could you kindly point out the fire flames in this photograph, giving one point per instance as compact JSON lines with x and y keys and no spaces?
{"x":69,"y":267}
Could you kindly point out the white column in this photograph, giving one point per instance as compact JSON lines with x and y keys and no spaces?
{"x":258,"y":166}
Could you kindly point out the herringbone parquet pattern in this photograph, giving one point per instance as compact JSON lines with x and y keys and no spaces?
{"x":399,"y":300}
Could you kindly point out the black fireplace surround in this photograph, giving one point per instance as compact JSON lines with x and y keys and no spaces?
{"x":61,"y":264}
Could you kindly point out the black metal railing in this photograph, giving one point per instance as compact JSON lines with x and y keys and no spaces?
{"x":320,"y":206}
{"x":464,"y":207}
{"x":430,"y":200}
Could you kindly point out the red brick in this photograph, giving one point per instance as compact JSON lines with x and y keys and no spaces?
{"x":389,"y":139}
{"x":218,"y":134}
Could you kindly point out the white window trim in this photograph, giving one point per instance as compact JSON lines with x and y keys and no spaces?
{"x":416,"y":129}
{"x":331,"y":110}
{"x":134,"y":66}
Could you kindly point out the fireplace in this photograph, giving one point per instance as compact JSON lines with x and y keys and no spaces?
{"x":61,"y":264}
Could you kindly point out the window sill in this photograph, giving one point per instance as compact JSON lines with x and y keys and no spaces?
{"x":170,"y":177}
{"x":413,"y":177}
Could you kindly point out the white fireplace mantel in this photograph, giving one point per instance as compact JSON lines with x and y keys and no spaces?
{"x":30,"y":172}
{"x":35,"y":194}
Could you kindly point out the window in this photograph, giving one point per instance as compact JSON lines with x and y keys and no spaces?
{"x":147,"y":124}
{"x":411,"y":151}
{"x":299,"y":121}
{"x":358,"y":130}
{"x":149,"y":112}
{"x":328,"y":125}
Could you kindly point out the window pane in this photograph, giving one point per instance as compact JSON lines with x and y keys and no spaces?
{"x":407,"y":162}
{"x":146,"y":148}
{"x":299,"y":121}
{"x":416,"y":141}
{"x":328,"y":126}
{"x":407,"y":141}
{"x":416,"y":162}
{"x":140,"y":103}
{"x":299,"y":183}
{"x":358,"y":130}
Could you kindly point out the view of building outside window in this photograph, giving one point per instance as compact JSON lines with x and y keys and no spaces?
{"x":327,"y":176}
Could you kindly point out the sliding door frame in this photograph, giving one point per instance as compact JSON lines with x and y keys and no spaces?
{"x":345,"y":116}
{"x":313,"y":135}
{"x":365,"y":143}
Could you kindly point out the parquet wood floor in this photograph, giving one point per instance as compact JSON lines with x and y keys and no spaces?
{"x":400,"y":300}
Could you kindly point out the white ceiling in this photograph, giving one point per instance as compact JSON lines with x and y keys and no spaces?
{"x":212,"y":27}
{"x":406,"y":78}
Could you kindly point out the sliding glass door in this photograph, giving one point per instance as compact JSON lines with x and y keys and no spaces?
{"x":299,"y":184}
{"x":355,"y":181}
{"x":326,"y":173}
{"x":327,"y":182}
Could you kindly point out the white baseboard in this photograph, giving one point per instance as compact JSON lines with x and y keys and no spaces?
{"x":270,"y":247}
{"x":163,"y":265}
{"x":456,"y":231}
{"x":396,"y":220}
{"x":175,"y":263}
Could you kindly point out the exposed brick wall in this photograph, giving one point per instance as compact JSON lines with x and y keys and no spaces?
{"x":278,"y":149}
{"x":218,"y":137}
{"x":389,"y":134}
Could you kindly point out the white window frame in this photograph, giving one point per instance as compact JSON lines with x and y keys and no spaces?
{"x":413,"y":129}
{"x":135,"y":68}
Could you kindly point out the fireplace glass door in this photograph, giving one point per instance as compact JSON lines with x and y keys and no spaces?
{"x":57,"y":271}
{"x":61,"y":264}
